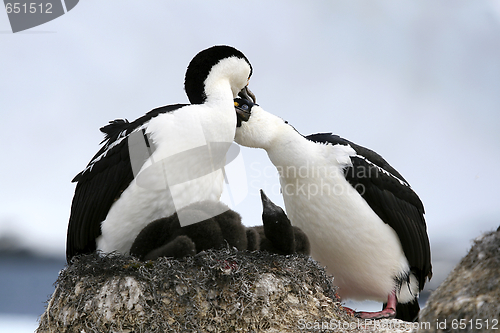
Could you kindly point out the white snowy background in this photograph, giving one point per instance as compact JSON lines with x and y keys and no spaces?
{"x":416,"y":81}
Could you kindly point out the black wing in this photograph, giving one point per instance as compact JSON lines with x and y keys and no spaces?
{"x":392,"y":199}
{"x":101,"y":183}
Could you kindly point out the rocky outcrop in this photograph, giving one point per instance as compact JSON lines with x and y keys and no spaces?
{"x":468,"y":300}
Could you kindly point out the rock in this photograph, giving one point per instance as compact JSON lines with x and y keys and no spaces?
{"x":468,"y":300}
{"x":213,"y":291}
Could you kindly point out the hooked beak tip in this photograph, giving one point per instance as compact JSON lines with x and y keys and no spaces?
{"x":247,"y":94}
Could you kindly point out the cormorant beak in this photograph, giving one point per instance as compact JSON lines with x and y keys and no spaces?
{"x":243,"y":105}
{"x":269,"y":206}
{"x":245,"y":93}
{"x":264,"y":198}
{"x":243,"y":110}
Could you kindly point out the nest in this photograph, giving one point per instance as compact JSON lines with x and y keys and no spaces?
{"x":213,"y":291}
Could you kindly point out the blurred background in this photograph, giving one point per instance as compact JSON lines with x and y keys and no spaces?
{"x":416,"y":81}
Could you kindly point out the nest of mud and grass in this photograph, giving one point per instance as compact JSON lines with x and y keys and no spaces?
{"x":213,"y":291}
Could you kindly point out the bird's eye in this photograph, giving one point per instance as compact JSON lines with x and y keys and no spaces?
{"x":244,"y":107}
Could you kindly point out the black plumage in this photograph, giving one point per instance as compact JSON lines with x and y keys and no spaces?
{"x":166,"y":238}
{"x":159,"y":238}
{"x":277,"y":233}
{"x":200,"y":68}
{"x":100,"y":184}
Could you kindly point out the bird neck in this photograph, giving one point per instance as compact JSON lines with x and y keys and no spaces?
{"x":218,"y":92}
{"x":288,"y":147}
{"x":297,"y":157}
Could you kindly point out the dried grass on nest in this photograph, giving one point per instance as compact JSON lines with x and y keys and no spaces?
{"x":214,"y":291}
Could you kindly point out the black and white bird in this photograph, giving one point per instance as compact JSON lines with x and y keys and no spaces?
{"x":161,"y":162}
{"x":363,"y":220}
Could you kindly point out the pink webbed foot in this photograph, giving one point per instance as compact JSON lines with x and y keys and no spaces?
{"x":388,"y":312}
{"x":385,"y":313}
